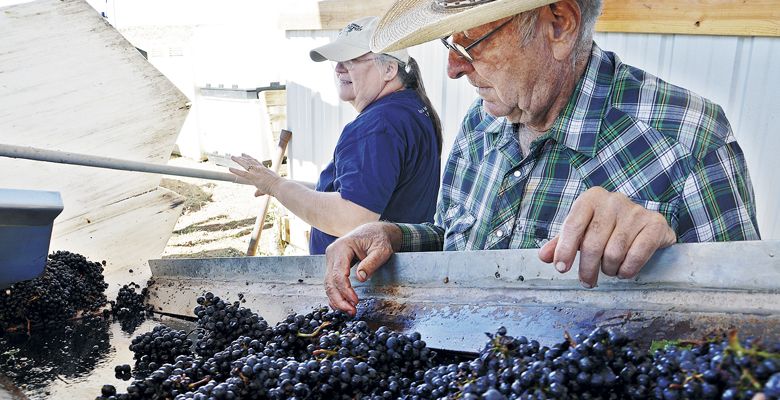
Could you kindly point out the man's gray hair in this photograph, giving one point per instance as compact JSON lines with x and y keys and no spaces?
{"x":590,"y":11}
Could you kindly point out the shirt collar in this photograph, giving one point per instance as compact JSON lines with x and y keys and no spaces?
{"x":397,"y":94}
{"x":500,"y":130}
{"x":578,"y":125}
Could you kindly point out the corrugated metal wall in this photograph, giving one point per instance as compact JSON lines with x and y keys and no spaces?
{"x":739,"y":73}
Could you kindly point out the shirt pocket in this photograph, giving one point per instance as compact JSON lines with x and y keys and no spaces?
{"x":667,"y":209}
{"x":458,"y":222}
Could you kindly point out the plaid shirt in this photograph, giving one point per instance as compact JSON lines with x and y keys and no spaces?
{"x":664,"y":147}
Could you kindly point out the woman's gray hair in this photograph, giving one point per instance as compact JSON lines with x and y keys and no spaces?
{"x":410,"y":76}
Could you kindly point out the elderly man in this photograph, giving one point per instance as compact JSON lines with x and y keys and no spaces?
{"x":567,"y":149}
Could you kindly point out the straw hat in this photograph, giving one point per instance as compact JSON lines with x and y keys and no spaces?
{"x":353,"y":42}
{"x":411,"y":22}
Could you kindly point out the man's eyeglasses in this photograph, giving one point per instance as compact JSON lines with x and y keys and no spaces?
{"x":351,"y":64}
{"x":464,"y":51}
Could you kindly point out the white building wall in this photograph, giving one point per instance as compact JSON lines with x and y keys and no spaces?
{"x":204,"y":43}
{"x":735,"y":72}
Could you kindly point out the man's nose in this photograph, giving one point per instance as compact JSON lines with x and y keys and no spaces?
{"x":457,"y":66}
{"x":340,"y":67}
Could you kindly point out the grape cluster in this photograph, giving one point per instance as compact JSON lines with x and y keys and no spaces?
{"x":123,"y":372}
{"x":220,"y":323}
{"x":605,"y":365}
{"x":368,"y":375}
{"x":87,"y":292}
{"x":296,"y":335}
{"x":724,"y":369}
{"x":161,"y":345}
{"x":324,"y":355}
{"x":130,"y":304}
{"x":69,"y":284}
{"x":167,"y":381}
{"x":108,"y":391}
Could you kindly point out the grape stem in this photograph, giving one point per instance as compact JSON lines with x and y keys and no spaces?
{"x":737,"y":348}
{"x":195,"y":385}
{"x":316,"y":331}
{"x":328,"y":353}
{"x":746,"y":375}
{"x":567,"y":336}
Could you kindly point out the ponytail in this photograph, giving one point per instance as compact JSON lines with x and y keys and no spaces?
{"x":412,"y":79}
{"x":410,"y":76}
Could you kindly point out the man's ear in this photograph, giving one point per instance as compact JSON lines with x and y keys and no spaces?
{"x":562,"y":21}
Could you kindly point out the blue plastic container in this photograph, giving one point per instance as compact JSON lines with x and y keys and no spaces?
{"x":26,"y":221}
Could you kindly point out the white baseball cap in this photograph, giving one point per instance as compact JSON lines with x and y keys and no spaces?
{"x":353,"y":41}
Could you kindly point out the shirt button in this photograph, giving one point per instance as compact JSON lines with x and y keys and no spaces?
{"x":499,"y":233}
{"x":517,"y":174}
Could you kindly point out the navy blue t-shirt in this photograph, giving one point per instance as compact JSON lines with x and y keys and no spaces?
{"x":387,"y":161}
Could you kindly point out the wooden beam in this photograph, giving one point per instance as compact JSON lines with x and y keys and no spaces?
{"x":340,"y":12}
{"x":696,"y":17}
{"x":330,"y":14}
{"x":702,"y":17}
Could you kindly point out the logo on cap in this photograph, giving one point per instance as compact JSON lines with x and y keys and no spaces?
{"x":351,"y":27}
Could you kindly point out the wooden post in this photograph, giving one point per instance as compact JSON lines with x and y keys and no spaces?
{"x":254,"y":238}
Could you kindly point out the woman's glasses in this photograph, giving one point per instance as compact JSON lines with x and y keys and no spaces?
{"x":351,"y":64}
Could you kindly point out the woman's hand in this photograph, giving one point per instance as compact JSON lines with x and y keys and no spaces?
{"x":256,"y":173}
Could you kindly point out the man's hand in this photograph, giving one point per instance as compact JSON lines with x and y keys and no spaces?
{"x":373,"y":243}
{"x":611,"y":232}
{"x":257,"y":174}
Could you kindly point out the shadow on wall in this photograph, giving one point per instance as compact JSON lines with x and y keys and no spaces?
{"x":316,"y":127}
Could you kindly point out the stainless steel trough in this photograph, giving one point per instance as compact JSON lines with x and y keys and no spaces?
{"x":686,"y":292}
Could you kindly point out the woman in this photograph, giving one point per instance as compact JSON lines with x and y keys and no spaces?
{"x":386,"y":162}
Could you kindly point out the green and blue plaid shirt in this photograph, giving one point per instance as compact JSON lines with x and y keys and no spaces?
{"x":623,"y":129}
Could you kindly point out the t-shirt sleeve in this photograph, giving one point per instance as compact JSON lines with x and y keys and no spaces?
{"x":368,"y":168}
